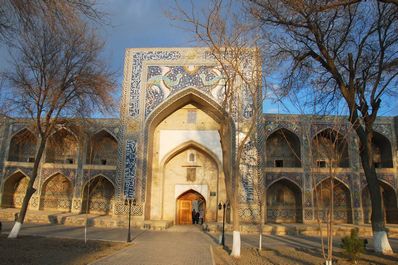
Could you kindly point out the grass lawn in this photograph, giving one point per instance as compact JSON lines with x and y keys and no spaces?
{"x":42,"y":250}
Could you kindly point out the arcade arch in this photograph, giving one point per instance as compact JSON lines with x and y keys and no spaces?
{"x":56,"y":194}
{"x":14,"y":190}
{"x":342,"y":211}
{"x":284,"y":202}
{"x":62,"y":148}
{"x":22,"y":147}
{"x":98,"y":196}
{"x":102,"y":149}
{"x":389,"y":203}
{"x":283,"y":149}
{"x":382,"y":154}
{"x":330,"y":148}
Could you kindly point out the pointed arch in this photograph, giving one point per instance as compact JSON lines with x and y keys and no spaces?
{"x":189,"y":203}
{"x":283,"y":149}
{"x":284,"y":202}
{"x":382,"y":151}
{"x":56,"y":193}
{"x":102,"y":148}
{"x":98,"y":196}
{"x":389,"y":202}
{"x":62,"y":147}
{"x":329,"y":147}
{"x":342,"y":209}
{"x":177,"y":101}
{"x":22,"y":146}
{"x":190,"y":144}
{"x":14,"y":189}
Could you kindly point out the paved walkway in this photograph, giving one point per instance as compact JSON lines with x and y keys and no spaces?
{"x":176,"y":246}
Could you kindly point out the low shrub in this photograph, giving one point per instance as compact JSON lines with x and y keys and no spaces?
{"x":353,"y":245}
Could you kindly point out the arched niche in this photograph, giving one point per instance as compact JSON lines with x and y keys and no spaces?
{"x":62,"y":148}
{"x":283,"y":149}
{"x":22,"y":147}
{"x":189,"y":203}
{"x":14,"y":190}
{"x":201,"y":174}
{"x":389,"y":201}
{"x":382,"y":154}
{"x":284,"y":202}
{"x":342,"y":211}
{"x":330,"y":148}
{"x":56,"y":194}
{"x":98,"y":196}
{"x":183,"y":101}
{"x":102,"y":149}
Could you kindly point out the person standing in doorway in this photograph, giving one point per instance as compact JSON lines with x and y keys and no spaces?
{"x":193,"y":216}
{"x":197,"y":218}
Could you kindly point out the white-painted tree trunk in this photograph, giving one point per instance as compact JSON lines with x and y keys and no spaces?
{"x":260,"y":242}
{"x":328,"y":262}
{"x":15,"y":230}
{"x":235,"y":244}
{"x":381,"y":244}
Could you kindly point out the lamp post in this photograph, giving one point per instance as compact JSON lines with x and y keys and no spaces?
{"x":223,"y":206}
{"x":128,"y":202}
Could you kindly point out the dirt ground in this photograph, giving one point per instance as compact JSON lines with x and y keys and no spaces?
{"x":41,"y":250}
{"x":287,"y":256}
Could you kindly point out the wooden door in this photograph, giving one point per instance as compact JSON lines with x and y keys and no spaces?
{"x":184,"y":212}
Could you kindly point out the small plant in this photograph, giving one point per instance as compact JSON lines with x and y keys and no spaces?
{"x":353,"y":246}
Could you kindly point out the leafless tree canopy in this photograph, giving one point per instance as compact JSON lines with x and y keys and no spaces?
{"x":59,"y":75}
{"x":17,"y":14}
{"x":348,"y":51}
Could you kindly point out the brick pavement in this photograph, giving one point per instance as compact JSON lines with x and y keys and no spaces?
{"x":176,"y":246}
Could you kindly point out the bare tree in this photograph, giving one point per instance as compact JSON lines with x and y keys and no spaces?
{"x":232,"y":44}
{"x":348,"y":52}
{"x":56,"y":76}
{"x":17,"y":15}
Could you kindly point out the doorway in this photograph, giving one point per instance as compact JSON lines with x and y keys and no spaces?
{"x":188,"y":202}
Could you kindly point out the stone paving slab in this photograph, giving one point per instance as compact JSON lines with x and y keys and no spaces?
{"x":165,"y":248}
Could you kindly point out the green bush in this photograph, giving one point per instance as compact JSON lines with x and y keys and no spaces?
{"x":353,"y":246}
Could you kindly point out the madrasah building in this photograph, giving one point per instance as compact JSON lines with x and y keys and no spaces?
{"x":165,"y":151}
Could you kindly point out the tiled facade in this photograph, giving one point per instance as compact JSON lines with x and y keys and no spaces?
{"x":166,"y":144}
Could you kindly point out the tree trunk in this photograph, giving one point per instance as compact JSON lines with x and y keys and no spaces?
{"x":236,"y":244}
{"x":29,"y":191}
{"x":380,"y":240}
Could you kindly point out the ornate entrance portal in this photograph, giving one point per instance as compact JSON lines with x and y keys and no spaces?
{"x":186,"y":203}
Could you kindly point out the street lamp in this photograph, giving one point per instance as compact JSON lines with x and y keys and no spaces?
{"x":223,"y":206}
{"x":128,"y":202}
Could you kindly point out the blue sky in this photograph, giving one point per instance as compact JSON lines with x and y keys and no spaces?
{"x":142,"y":23}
